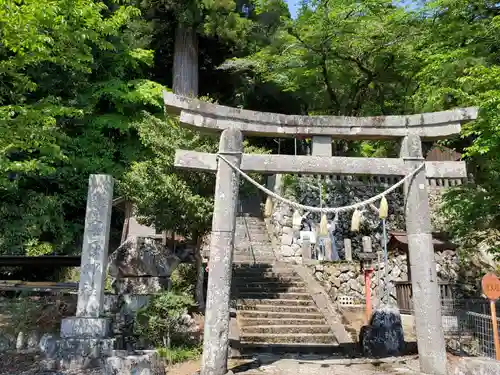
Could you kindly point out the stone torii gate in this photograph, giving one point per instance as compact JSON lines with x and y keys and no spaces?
{"x":234,"y":123}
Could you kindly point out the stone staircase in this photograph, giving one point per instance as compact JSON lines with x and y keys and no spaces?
{"x":275,"y":311}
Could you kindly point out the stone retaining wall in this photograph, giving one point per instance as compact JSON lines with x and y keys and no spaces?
{"x":346,"y":278}
{"x":305,"y":190}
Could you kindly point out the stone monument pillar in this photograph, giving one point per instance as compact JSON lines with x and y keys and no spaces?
{"x":84,"y":339}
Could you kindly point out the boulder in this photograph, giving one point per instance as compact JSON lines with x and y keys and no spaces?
{"x":384,"y":336}
{"x":141,"y":256}
{"x":140,"y":285}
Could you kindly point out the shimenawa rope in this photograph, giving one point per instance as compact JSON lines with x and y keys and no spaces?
{"x":323,"y":210}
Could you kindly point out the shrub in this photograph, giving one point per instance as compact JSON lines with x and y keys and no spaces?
{"x":163,"y":322}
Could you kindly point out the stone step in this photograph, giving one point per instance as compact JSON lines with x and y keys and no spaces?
{"x":250,"y":223}
{"x":251,"y":228}
{"x":282,"y":329}
{"x":276,"y":267}
{"x":282,"y":315}
{"x":279,"y":308}
{"x":265,"y":277}
{"x":257,"y":254}
{"x":241,"y":243}
{"x":271,"y":284}
{"x":253,"y":250}
{"x":290,"y":348}
{"x":274,"y":302}
{"x":265,"y":249}
{"x":286,"y":296}
{"x":282,"y":338}
{"x":278,"y":288}
{"x":245,"y":322}
{"x":251,"y":260}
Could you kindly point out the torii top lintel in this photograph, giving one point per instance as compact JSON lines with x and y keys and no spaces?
{"x":213,"y":117}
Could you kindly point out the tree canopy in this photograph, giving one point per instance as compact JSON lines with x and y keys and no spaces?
{"x":81,"y":82}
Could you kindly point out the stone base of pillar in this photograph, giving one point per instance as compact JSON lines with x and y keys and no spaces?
{"x":77,"y":327}
{"x":79,"y":353}
{"x":125,"y":363}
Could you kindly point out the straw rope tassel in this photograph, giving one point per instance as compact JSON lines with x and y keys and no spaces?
{"x":323,"y":226}
{"x":268,"y":209}
{"x":296,"y":220}
{"x":356,"y":219}
{"x":383,"y":211}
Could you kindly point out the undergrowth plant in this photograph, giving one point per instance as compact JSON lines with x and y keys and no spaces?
{"x":162,"y":322}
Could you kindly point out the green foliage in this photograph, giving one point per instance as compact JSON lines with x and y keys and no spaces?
{"x":183,"y":279}
{"x":181,"y":354}
{"x":459,"y":67}
{"x":73,"y":81}
{"x":343,"y":57}
{"x":81,"y":86}
{"x":171,"y":199}
{"x":161,"y":322}
{"x":26,"y":314}
{"x":174,"y":199}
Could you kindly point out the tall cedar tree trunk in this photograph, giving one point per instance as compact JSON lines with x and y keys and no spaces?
{"x":185,"y":80}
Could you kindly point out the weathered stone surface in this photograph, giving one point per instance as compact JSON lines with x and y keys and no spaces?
{"x":216,"y":334}
{"x":322,"y":146}
{"x":140,"y":256}
{"x":383,"y":337}
{"x":48,"y":345}
{"x":95,"y":246}
{"x":286,"y":239}
{"x":85,"y":327}
{"x":287,"y":251}
{"x":477,"y":366}
{"x":145,"y":363}
{"x":20,"y":341}
{"x":32,"y":341}
{"x":196,"y":113}
{"x":79,"y":353}
{"x":7,"y":342}
{"x":140,"y":285}
{"x":425,"y":289}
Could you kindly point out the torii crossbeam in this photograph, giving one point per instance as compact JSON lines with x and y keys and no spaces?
{"x":234,"y":123}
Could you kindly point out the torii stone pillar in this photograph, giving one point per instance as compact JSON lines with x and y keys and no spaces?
{"x":426,"y":297}
{"x":220,"y":270}
{"x":429,"y":126}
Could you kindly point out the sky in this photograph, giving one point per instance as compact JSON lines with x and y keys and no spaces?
{"x":293,"y":6}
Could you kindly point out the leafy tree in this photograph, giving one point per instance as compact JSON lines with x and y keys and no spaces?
{"x":170,"y":198}
{"x":72,"y":76}
{"x":459,"y":66}
{"x":345,"y":57}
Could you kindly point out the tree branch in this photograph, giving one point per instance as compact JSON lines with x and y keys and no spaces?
{"x":329,"y":89}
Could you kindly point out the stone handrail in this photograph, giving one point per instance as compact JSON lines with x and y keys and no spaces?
{"x":213,"y":117}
